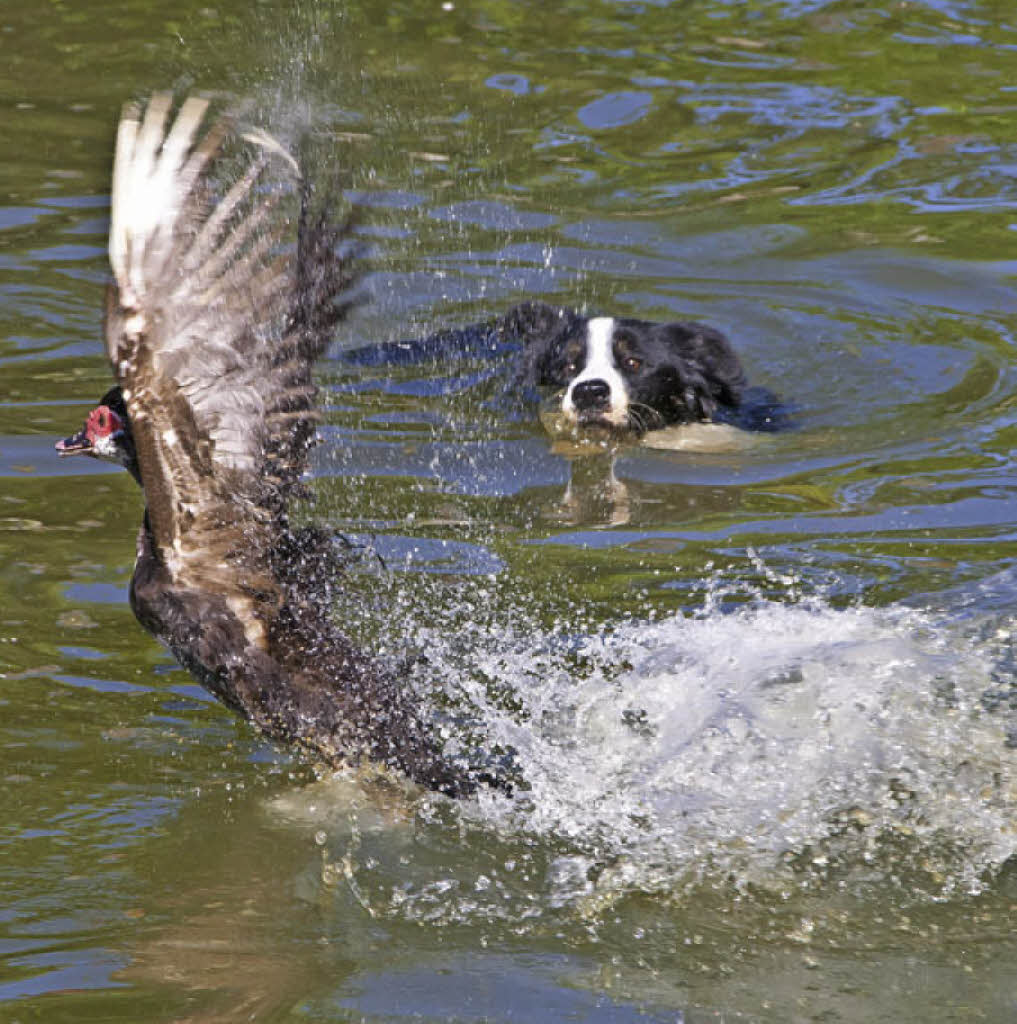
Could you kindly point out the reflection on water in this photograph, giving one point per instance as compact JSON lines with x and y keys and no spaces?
{"x":762,"y":690}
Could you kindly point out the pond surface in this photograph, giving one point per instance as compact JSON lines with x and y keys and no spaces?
{"x":763,"y":692}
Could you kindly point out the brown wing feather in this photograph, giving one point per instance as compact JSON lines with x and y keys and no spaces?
{"x":212,"y":331}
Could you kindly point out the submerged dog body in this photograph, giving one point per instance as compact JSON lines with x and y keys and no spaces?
{"x":620,"y":375}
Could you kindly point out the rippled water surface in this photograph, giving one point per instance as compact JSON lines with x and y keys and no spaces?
{"x":761,"y":687}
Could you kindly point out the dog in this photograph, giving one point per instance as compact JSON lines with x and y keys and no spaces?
{"x":617,"y":376}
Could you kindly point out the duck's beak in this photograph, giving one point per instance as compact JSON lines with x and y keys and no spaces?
{"x":76,"y":444}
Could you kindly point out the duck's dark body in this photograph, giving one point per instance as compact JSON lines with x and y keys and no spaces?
{"x":309,"y":686}
{"x":213,"y":324}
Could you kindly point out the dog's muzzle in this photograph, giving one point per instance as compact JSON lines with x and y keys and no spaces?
{"x":591,"y":396}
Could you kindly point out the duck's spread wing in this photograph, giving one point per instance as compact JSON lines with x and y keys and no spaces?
{"x":213,"y":321}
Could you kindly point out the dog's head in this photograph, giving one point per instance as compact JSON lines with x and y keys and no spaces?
{"x":627,"y":375}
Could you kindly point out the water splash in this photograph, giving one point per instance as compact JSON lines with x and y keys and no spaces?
{"x":734,"y":744}
{"x":770,"y":746}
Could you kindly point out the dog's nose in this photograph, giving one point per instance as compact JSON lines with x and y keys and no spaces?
{"x":591,"y":394}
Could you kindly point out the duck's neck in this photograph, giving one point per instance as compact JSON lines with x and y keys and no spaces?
{"x":129,"y":460}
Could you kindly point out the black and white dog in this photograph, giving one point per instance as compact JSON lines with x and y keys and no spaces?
{"x":610,"y":374}
{"x":626,"y":375}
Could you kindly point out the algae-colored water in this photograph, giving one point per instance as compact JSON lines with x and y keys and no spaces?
{"x":763,"y":692}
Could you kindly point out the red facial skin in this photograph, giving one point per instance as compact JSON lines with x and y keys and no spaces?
{"x":102,"y":423}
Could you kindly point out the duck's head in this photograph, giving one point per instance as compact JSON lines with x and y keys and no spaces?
{"x":106,"y":434}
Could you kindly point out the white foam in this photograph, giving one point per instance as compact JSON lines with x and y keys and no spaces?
{"x":737,"y":740}
{"x":720,"y":747}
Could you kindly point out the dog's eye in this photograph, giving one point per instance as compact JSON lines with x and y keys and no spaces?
{"x":631,"y":363}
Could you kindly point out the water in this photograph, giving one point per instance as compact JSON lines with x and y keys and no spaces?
{"x":761,"y":689}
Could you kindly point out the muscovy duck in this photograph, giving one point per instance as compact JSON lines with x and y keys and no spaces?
{"x":212,"y":327}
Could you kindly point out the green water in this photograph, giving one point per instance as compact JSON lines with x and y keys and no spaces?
{"x":832,"y":184}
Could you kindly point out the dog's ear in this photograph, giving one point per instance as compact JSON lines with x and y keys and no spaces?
{"x":693,"y":401}
{"x":536,"y":322}
{"x":708,"y":363}
{"x":538,"y":326}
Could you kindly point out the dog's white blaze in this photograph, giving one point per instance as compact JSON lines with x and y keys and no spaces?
{"x":600,"y":365}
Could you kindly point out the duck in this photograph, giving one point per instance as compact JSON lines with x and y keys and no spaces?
{"x":217,"y":310}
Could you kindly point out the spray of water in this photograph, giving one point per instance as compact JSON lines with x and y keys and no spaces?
{"x":762,"y":744}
